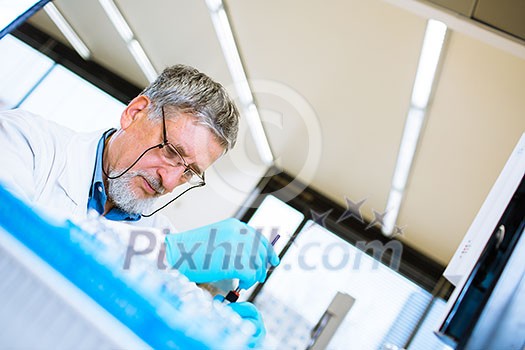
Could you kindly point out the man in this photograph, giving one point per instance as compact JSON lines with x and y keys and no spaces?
{"x":169,"y":135}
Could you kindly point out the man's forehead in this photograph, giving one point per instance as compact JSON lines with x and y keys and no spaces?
{"x":193,"y":140}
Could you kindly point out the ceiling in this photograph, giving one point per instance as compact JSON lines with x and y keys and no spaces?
{"x":339,"y":74}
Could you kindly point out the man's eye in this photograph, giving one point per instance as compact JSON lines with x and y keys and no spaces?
{"x":187,"y":174}
{"x":171,"y":153}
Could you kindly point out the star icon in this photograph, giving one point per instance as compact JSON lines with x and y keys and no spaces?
{"x":398,"y":231}
{"x":378,"y":219}
{"x":292,"y":239}
{"x":320,"y":218}
{"x":353,"y":209}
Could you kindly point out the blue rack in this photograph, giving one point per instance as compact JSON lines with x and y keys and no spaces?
{"x":70,"y":251}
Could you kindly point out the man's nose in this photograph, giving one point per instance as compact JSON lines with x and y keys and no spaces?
{"x":171,"y":177}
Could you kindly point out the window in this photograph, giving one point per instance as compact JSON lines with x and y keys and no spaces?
{"x":21,"y":68}
{"x":388,"y":306}
{"x":73,"y":102}
{"x":34,"y":82}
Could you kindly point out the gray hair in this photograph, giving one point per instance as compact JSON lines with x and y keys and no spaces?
{"x":188,"y":90}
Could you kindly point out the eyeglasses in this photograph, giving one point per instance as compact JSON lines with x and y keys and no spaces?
{"x":172,"y":157}
{"x":175,"y":159}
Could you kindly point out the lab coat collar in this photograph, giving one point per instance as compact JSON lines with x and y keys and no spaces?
{"x":77,"y":174}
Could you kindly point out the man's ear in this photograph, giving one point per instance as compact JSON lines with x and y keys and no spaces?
{"x":134,"y":110}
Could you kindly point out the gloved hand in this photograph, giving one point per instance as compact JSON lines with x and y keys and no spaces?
{"x":224,"y":250}
{"x":249,"y":312}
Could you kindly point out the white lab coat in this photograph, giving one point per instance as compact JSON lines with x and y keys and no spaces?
{"x":52,"y":166}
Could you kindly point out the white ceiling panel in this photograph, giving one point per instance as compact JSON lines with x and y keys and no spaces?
{"x":354,"y":64}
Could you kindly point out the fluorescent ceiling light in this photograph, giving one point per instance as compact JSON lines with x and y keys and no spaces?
{"x":142,"y":60}
{"x":233,"y":59}
{"x":407,"y":150}
{"x":240,"y":81}
{"x":392,"y":211}
{"x":259,"y":137}
{"x":428,"y":61}
{"x":67,"y":30}
{"x":134,"y":47}
{"x":117,"y":19}
{"x":214,"y":5}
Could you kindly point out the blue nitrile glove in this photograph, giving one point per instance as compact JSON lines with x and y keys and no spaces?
{"x":223,"y":250}
{"x":249,"y":312}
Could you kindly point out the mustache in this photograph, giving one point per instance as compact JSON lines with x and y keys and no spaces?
{"x":153,"y":181}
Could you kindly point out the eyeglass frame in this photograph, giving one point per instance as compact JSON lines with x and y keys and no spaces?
{"x":164,"y":143}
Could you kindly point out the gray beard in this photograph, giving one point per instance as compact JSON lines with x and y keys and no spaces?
{"x":120,"y":192}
